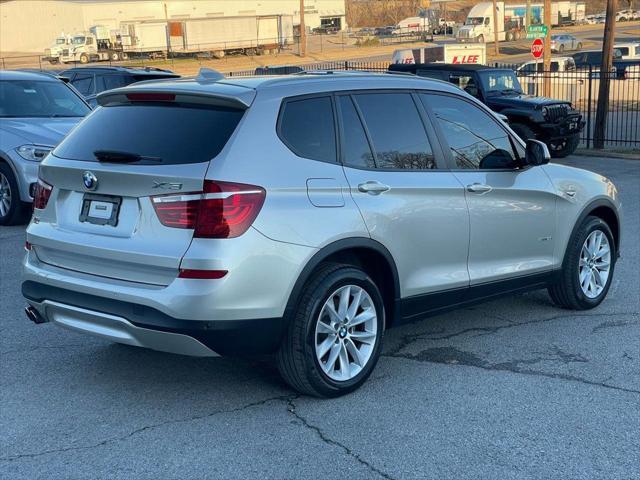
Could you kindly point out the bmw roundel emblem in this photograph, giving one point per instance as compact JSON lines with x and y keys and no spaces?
{"x":90,"y":180}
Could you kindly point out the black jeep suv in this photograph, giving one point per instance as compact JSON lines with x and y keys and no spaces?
{"x":555,"y":122}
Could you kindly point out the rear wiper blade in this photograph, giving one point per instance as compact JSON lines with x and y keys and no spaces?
{"x":113,"y":156}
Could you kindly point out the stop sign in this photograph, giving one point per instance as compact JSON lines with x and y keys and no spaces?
{"x":537,"y":48}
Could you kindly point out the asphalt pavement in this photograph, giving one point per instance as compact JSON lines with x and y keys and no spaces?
{"x":515,"y":388}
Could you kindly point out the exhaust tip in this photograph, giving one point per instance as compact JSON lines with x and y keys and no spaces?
{"x":34,"y":315}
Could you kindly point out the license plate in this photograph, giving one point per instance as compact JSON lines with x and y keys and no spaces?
{"x":100,"y":209}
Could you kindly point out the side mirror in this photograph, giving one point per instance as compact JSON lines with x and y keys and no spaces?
{"x":537,"y":153}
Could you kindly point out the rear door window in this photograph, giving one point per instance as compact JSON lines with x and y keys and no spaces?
{"x":109,"y":82}
{"x":159,"y":134}
{"x":84,"y":83}
{"x":398,"y":135}
{"x":307,"y":127}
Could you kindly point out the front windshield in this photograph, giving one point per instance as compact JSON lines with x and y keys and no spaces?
{"x":39,"y":98}
{"x":500,"y":81}
{"x":78,"y":40}
{"x":474,"y":21}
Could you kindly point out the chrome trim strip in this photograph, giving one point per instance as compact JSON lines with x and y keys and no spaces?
{"x":199,"y":196}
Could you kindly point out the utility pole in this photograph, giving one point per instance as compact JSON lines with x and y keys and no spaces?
{"x":605,"y":75}
{"x":547,"y":50}
{"x":168,"y":30}
{"x":527,"y":15}
{"x":496,"y":47}
{"x":303,"y":32}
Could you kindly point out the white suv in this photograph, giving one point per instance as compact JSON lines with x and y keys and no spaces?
{"x":302,"y":216}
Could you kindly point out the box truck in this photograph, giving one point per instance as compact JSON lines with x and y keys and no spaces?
{"x":475,"y":54}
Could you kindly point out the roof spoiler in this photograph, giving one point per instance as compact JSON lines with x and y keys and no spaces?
{"x":128,"y":95}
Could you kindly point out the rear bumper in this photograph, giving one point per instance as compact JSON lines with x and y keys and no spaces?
{"x":143,"y":326}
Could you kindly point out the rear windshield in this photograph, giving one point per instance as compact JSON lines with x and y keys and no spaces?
{"x":161,"y":134}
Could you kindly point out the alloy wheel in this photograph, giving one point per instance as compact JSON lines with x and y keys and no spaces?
{"x":5,"y":195}
{"x":595,"y":264}
{"x":346,"y":333}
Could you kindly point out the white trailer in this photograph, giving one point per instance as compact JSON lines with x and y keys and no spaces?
{"x":217,"y":36}
{"x":413,"y":24}
{"x":474,"y":54}
{"x":144,"y":37}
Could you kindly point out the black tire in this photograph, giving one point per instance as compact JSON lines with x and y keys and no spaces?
{"x":564,"y":148}
{"x":481,"y":39}
{"x":579,"y":46}
{"x":124,"y":56}
{"x":114,"y":56}
{"x":509,"y":37}
{"x":561,"y":49}
{"x":566,"y":292}
{"x":18,"y":211}
{"x":523,"y":131}
{"x":84,"y":58}
{"x":297,"y":359}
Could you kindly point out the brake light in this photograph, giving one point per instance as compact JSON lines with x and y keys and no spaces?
{"x":222,"y":210}
{"x":151,"y":97}
{"x":41,"y":195}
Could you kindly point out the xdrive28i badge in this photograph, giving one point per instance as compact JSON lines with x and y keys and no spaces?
{"x":90,"y":180}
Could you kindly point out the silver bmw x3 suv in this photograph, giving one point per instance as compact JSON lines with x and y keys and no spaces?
{"x":303,"y":216}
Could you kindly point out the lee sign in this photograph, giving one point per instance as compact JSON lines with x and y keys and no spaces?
{"x":466,"y":59}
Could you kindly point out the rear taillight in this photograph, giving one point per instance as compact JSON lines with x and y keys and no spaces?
{"x":41,"y":195}
{"x":222,"y":210}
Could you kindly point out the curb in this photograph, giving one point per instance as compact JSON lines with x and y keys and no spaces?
{"x":632,"y":155}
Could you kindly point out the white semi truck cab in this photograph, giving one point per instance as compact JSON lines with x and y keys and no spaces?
{"x":479,"y":25}
{"x":53,"y":53}
{"x":98,"y":44}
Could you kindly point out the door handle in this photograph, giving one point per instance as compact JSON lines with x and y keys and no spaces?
{"x":478,"y":188}
{"x":374,"y":188}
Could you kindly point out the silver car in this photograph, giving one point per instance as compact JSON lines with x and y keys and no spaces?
{"x":564,"y":42}
{"x":36,"y":112}
{"x":303,"y":216}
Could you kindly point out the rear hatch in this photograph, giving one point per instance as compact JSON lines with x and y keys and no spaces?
{"x":106,"y":177}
